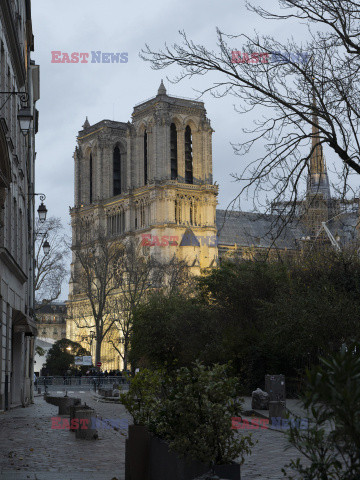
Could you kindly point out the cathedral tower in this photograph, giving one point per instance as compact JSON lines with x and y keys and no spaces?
{"x":150,"y":179}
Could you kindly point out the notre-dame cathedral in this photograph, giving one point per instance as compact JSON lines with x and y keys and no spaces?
{"x":151,"y":178}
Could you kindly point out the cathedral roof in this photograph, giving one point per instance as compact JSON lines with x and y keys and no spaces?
{"x":189,"y":239}
{"x":247,"y":229}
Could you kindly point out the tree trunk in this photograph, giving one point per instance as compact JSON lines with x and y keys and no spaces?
{"x":125,"y":357}
{"x":97,"y":352}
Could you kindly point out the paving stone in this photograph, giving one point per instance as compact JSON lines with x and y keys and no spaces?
{"x":58,"y":455}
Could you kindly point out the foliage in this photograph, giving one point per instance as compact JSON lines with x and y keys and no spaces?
{"x":195,"y":417}
{"x":143,"y":397}
{"x":302,"y":321}
{"x":191,"y":408}
{"x":265,"y":317}
{"x":174,"y":330}
{"x":332,"y":444}
{"x":59,"y":359}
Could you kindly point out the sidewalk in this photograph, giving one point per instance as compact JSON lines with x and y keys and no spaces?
{"x":31,"y":449}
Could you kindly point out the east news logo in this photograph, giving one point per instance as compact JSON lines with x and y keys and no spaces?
{"x":83,"y":57}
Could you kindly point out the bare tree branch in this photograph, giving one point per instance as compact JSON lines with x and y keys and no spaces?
{"x":51,"y":269}
{"x":310,"y":90}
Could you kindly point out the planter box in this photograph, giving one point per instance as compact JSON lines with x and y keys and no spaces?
{"x":148,"y":458}
{"x":137,"y":453}
{"x":165,"y":464}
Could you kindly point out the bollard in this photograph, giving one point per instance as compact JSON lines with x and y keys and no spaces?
{"x":85,"y":431}
{"x":73,"y":413}
{"x":277,"y":409}
{"x":65,"y":403}
{"x":275,"y":387}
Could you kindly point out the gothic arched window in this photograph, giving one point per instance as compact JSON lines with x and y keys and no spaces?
{"x":116,"y":172}
{"x":178,"y":208}
{"x":173,"y":152}
{"x":91,"y":178}
{"x":188,"y":156}
{"x":145,"y":158}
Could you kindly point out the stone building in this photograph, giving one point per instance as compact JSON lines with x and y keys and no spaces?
{"x":51,"y":327}
{"x":51,"y":320}
{"x":18,"y":76}
{"x":151,"y":179}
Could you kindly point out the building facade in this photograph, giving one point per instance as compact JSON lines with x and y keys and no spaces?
{"x":51,"y":320}
{"x":151,"y":179}
{"x":18,"y":76}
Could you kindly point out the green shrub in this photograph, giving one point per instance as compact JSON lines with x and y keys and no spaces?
{"x":143,"y":397}
{"x":191,"y":408}
{"x":332,"y":444}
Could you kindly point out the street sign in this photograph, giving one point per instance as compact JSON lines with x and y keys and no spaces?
{"x":78,"y":360}
{"x":98,"y":364}
{"x":87,"y":360}
{"x":83,"y":360}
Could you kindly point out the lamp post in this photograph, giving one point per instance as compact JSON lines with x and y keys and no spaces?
{"x":42,"y":212}
{"x":92,"y":336}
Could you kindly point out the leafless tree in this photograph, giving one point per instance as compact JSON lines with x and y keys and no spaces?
{"x":177,"y":277}
{"x":138,"y":276}
{"x":112,"y":278}
{"x":318,"y":79}
{"x":51,"y":269}
{"x":92,"y":308}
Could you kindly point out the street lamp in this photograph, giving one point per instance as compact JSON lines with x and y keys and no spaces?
{"x":25,"y":117}
{"x":42,"y":211}
{"x":46,"y":247}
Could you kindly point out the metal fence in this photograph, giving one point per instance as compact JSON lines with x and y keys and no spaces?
{"x":81,"y":381}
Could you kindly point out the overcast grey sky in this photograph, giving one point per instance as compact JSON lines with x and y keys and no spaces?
{"x":70,"y":92}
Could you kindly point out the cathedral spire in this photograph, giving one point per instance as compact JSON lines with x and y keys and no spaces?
{"x":162,"y":89}
{"x":317,"y":162}
{"x":318,"y":181}
{"x":86,"y":124}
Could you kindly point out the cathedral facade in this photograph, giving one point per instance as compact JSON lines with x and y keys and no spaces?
{"x":151,"y":179}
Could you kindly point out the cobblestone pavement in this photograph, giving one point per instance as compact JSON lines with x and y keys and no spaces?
{"x":31,"y":449}
{"x":268,"y":456}
{"x":272,"y":452}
